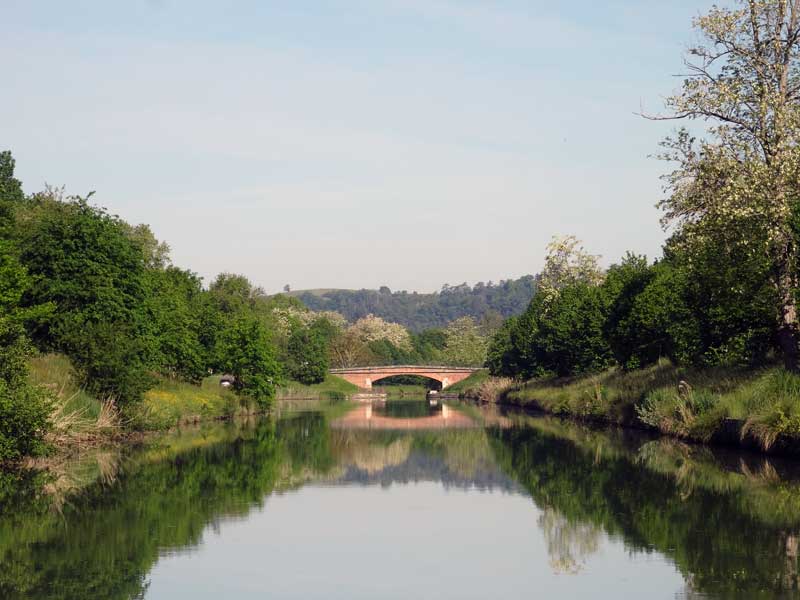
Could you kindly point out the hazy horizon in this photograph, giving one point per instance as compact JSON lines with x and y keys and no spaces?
{"x":351,"y":145}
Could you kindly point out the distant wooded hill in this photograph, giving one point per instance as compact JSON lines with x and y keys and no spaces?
{"x":423,"y":311}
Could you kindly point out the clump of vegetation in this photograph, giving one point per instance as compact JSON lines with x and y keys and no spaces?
{"x":482,"y":386}
{"x":614,"y":394}
{"x":171,"y":403}
{"x":308,"y":359}
{"x":24,"y":408}
{"x":76,"y":418}
{"x":680,"y":401}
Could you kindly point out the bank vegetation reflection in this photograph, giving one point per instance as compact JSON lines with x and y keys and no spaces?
{"x":729,"y":523}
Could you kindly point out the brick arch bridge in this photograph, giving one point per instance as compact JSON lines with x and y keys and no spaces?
{"x":364,"y":377}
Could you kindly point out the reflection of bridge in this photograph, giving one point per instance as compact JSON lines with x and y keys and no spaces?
{"x":364,"y":417}
{"x":364,"y":377}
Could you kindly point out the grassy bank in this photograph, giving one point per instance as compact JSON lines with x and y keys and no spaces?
{"x":332,"y":388}
{"x":699,"y":404}
{"x":167,"y":404}
{"x":79,"y":420}
{"x":480,"y":386}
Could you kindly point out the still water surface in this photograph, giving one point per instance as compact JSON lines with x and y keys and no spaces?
{"x":404,"y":500}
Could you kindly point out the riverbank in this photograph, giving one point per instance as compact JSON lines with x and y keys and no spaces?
{"x":79,"y":422}
{"x":753,"y":408}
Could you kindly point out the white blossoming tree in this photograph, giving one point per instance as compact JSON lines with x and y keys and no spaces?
{"x":567,"y":263}
{"x":738,"y":181}
{"x":372,"y":328}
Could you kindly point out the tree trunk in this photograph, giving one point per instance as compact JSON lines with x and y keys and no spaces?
{"x":788,"y":326}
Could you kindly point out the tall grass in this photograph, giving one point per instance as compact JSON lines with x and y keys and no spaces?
{"x":683,"y":402}
{"x":77,"y":419}
{"x":56,"y":373}
{"x":613,"y":394}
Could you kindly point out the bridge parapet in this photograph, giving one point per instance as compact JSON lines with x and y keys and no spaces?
{"x":365,"y":377}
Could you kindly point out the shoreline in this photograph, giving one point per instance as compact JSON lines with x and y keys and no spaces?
{"x":732,"y":433}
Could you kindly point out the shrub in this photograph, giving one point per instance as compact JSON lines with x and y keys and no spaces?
{"x":307,"y":356}
{"x":24,"y":421}
{"x":111,"y":359}
{"x":24,"y":409}
{"x":249,"y":356}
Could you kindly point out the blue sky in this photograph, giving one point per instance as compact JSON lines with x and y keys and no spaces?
{"x":355,"y":143}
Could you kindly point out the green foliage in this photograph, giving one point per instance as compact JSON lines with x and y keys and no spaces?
{"x":308,"y":356}
{"x":24,"y":409}
{"x":419,"y":312}
{"x":175,"y":305}
{"x":250,"y":357}
{"x":10,"y":192}
{"x":648,"y":314}
{"x":502,"y":357}
{"x":112,"y":358}
{"x":732,"y":300}
{"x":734,"y":185}
{"x":384,"y":352}
{"x":707,"y":303}
{"x":562,"y":334}
{"x":24,"y":419}
{"x":81,"y":261}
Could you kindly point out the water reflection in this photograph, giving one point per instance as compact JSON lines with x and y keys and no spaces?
{"x":510,"y":503}
{"x":403,"y":415}
{"x":569,"y":543}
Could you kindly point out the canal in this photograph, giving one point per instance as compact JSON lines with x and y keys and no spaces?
{"x":403,"y":499}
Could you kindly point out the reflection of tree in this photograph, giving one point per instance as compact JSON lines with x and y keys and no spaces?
{"x":107,"y":539}
{"x":460,"y":457}
{"x":703,"y":518}
{"x":569,"y":543}
{"x":405,"y":409}
{"x":790,"y":581}
{"x":363,"y":452}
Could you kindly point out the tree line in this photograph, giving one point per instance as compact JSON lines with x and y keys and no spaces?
{"x":725,"y":290}
{"x":77,"y":280}
{"x":418,"y":312}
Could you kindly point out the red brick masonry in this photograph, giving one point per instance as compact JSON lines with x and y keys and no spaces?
{"x":365,"y":377}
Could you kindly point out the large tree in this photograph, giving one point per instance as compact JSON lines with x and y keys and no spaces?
{"x":738,"y":183}
{"x":80,"y":260}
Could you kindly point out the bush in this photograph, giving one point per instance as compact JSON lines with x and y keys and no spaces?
{"x":502,"y":357}
{"x":24,"y":420}
{"x":307,"y":356}
{"x":24,"y":409}
{"x":249,"y":356}
{"x":111,"y":359}
{"x":82,"y":260}
{"x":649,"y":318}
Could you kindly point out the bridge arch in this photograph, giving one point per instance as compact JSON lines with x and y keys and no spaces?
{"x":423,"y":380}
{"x":365,"y":377}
